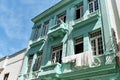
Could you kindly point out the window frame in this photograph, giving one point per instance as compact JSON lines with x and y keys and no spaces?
{"x":98,"y":48}
{"x":79,"y":7}
{"x":38,"y":61}
{"x":37,"y":32}
{"x":55,"y":52}
{"x":94,"y":7}
{"x":45,"y":28}
{"x":30,"y":61}
{"x":61,"y":18}
{"x":79,"y":41}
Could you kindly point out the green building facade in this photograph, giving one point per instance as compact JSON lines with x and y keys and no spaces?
{"x":72,"y":40}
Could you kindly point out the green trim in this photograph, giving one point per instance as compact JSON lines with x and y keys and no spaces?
{"x":102,"y":70}
{"x":52,"y":9}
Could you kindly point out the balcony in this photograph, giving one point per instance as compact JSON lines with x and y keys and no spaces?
{"x":50,"y":71}
{"x":58,"y":30}
{"x":83,"y":21}
{"x":39,"y":40}
{"x":85,"y":64}
{"x":86,"y":60}
{"x":36,"y":46}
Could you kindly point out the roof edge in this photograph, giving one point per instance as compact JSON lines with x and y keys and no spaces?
{"x":50,"y":10}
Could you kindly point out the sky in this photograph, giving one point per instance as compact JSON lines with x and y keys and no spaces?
{"x":16,"y":24}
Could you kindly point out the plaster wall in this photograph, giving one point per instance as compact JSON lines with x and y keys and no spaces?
{"x":13,"y":66}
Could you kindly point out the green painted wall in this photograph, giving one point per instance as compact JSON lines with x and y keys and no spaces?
{"x":76,"y":28}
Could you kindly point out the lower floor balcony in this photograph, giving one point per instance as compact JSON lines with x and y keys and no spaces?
{"x":50,"y":71}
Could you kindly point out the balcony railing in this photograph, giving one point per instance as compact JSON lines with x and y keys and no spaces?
{"x":95,"y":13}
{"x":88,"y":60}
{"x":50,"y":71}
{"x":94,"y":16}
{"x":58,"y":30}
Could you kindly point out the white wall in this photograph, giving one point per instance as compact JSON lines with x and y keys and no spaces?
{"x":114,"y":15}
{"x":118,"y":6}
{"x":117,"y":2}
{"x":116,"y":9}
{"x":13,"y":66}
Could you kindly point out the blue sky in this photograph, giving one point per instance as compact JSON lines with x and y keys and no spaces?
{"x":16,"y":24}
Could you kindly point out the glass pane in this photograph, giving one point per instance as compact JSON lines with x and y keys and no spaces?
{"x":90,"y":7}
{"x":93,"y":44}
{"x":56,"y":54}
{"x":96,"y":4}
{"x":100,"y":46}
{"x":79,"y":11}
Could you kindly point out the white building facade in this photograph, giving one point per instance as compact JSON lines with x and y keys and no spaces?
{"x":10,"y":66}
{"x":114,"y":12}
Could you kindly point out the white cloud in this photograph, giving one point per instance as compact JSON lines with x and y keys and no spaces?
{"x":12,"y":24}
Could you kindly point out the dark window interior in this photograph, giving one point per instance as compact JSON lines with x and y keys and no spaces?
{"x":6,"y":76}
{"x":77,"y":14}
{"x":79,"y":45}
{"x":79,"y":48}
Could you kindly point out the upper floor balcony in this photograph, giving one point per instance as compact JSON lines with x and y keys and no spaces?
{"x":91,"y":17}
{"x":58,"y":30}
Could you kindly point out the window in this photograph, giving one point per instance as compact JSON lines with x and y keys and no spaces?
{"x":37,"y":32}
{"x":45,"y":28}
{"x":96,"y":42}
{"x":78,"y":45}
{"x":79,"y":11}
{"x":6,"y":76}
{"x":37,"y":61}
{"x":29,"y":63}
{"x":61,"y":18}
{"x":56,"y":54}
{"x":93,"y":5}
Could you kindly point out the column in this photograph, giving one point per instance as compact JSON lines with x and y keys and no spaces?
{"x":72,"y":15}
{"x":54,"y":20}
{"x":85,"y":7}
{"x":50,"y":23}
{"x":86,"y":42}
